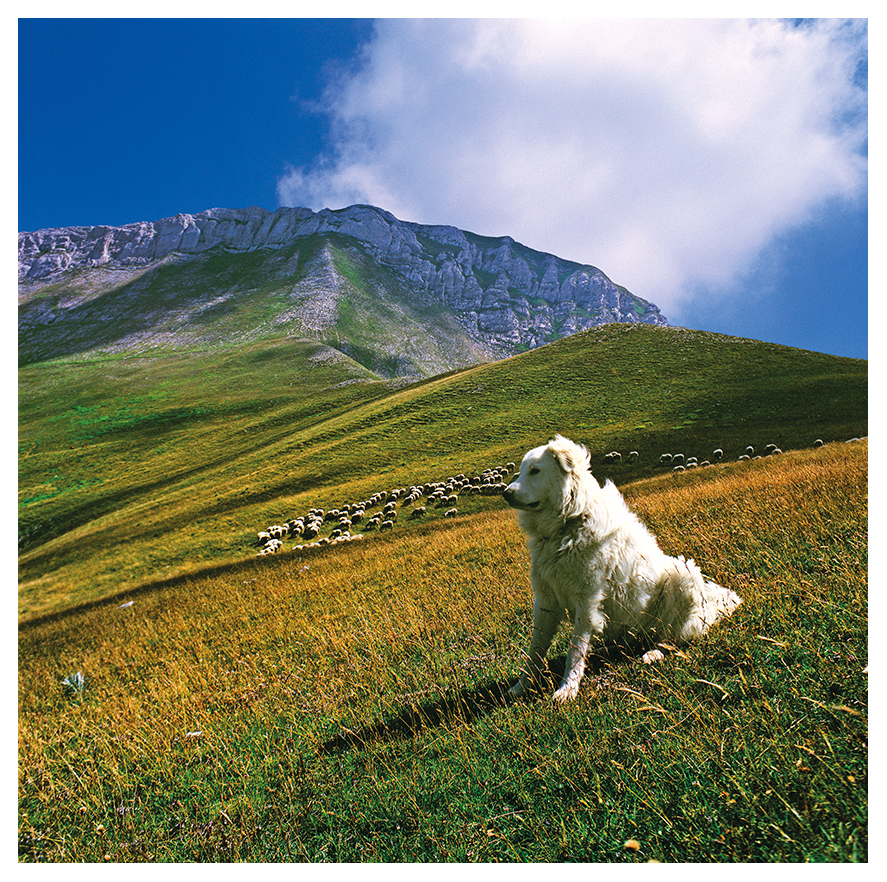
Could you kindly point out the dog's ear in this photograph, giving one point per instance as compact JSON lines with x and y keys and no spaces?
{"x":567,"y":454}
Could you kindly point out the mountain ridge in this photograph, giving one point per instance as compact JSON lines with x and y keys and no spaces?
{"x":404,"y":287}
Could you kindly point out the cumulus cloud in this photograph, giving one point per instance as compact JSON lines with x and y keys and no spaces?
{"x":668,"y":153}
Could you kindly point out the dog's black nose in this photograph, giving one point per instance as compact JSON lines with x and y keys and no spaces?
{"x":508,"y":495}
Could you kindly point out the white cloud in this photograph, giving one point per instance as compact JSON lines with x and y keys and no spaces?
{"x":668,"y":153}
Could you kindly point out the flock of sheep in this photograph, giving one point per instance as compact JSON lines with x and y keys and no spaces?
{"x":389,"y":504}
{"x":679,"y":462}
{"x":439,"y":495}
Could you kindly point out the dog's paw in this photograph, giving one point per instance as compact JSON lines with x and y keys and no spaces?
{"x":567,"y":692}
{"x":653,"y":656}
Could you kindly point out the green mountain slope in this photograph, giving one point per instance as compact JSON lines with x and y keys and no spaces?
{"x":323,"y":288}
{"x":132,"y":469}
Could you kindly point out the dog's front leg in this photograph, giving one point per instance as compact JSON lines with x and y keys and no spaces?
{"x":546,"y":618}
{"x":585,"y":623}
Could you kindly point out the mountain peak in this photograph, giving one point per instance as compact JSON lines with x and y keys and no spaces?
{"x":501,"y":296}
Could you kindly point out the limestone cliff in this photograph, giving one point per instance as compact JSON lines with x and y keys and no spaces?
{"x":489,"y":297}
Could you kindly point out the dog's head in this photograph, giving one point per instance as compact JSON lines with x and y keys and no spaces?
{"x":550,"y":479}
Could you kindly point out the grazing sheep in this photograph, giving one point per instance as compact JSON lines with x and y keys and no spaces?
{"x":665,"y":459}
{"x":717,"y":454}
{"x":386,"y":525}
{"x":678,"y":459}
{"x":750,"y":450}
{"x":633,"y":455}
{"x":417,"y":513}
{"x":678,"y":468}
{"x":451,"y":513}
{"x":818,"y":442}
{"x":613,"y":456}
{"x":271,"y":547}
{"x":262,"y":537}
{"x":744,"y":456}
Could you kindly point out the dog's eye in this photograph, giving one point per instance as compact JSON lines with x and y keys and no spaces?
{"x":534,"y":471}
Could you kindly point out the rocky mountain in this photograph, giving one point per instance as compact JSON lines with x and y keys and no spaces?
{"x":401,"y":299}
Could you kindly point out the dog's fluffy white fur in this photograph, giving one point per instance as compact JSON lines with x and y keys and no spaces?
{"x":594,"y":559}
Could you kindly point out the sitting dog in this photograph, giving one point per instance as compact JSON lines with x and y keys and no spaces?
{"x":593,"y":558}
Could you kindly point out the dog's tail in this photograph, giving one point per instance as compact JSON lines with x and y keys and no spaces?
{"x":709,"y":601}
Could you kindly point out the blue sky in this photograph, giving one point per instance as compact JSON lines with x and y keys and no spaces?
{"x":715,"y":167}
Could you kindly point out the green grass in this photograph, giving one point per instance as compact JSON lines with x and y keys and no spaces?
{"x":136,"y":469}
{"x":346,"y":704}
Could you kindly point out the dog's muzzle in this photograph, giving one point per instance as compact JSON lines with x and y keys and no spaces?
{"x":511,"y":497}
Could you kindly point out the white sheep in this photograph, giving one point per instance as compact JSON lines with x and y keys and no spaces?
{"x":271,"y":547}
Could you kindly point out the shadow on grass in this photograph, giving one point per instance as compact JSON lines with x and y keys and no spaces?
{"x":467,"y":705}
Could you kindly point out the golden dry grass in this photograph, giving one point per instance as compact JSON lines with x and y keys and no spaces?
{"x":345,"y":704}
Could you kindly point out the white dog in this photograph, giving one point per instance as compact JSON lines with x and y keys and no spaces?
{"x":592,"y":557}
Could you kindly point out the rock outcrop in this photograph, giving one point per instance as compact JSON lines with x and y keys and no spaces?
{"x":506,"y":296}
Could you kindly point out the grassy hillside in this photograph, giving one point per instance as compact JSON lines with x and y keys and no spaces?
{"x":322,"y":287}
{"x":136,"y":469}
{"x":346,"y":704}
